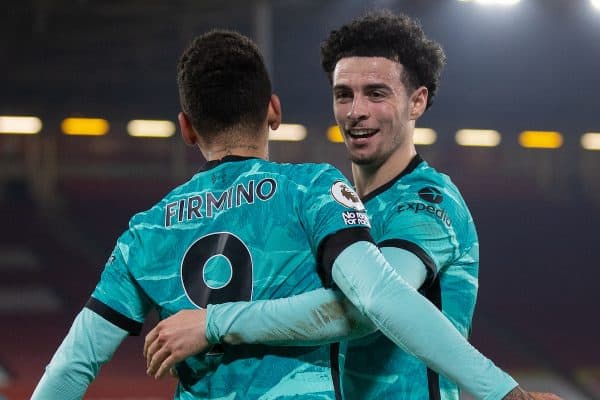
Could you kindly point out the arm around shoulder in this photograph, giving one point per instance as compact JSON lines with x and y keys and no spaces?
{"x":413,"y":323}
{"x":317,"y":317}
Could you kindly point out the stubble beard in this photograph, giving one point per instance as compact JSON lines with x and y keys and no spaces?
{"x":378,"y":157}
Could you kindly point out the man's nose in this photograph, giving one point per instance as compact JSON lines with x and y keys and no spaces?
{"x":359,"y":109}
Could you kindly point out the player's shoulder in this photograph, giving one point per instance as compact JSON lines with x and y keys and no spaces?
{"x":432,"y":193}
{"x":308,"y":174}
{"x":426,"y":179}
{"x":419,"y":185}
{"x":314,"y":168}
{"x":155,"y":213}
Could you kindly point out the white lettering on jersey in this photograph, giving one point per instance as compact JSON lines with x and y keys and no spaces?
{"x":206,"y":204}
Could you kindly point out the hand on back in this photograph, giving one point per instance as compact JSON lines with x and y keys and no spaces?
{"x":174,"y":339}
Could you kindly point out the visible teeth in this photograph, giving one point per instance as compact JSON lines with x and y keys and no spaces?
{"x":361,"y":132}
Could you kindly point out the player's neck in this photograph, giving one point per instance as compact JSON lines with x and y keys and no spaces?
{"x":369,"y":177}
{"x":243,"y":147}
{"x":242,"y":150}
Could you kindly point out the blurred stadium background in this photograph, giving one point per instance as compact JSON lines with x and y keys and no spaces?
{"x":532,"y":65}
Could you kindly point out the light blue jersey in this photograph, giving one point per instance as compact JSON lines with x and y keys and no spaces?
{"x":241,"y":229}
{"x":423,"y":212}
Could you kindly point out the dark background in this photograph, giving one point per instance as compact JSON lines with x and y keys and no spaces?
{"x":64,"y":200}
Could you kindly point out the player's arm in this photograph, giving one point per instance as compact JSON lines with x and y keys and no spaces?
{"x":318,"y":317}
{"x":116,"y":309}
{"x":90,"y":343}
{"x":413,"y":323}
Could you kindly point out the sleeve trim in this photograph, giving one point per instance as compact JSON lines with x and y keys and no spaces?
{"x":133,"y":327}
{"x":331,"y":247}
{"x":417,"y":251}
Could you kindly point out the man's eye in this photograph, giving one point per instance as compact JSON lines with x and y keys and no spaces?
{"x":343,"y":96}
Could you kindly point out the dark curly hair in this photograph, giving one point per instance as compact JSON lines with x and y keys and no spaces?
{"x":223,"y":83}
{"x":394,"y":36}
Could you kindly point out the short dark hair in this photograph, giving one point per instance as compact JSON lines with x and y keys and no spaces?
{"x":223,"y":83}
{"x":396,"y":37}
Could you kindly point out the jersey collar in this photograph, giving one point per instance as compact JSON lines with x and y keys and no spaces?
{"x":230,"y":158}
{"x":416,"y":160}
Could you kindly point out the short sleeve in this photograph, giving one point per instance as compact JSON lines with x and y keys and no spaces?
{"x":334,"y":218}
{"x":329,"y":205}
{"x":117,"y":297}
{"x":427,"y":230}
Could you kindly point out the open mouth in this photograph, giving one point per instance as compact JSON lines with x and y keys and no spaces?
{"x":361,"y":133}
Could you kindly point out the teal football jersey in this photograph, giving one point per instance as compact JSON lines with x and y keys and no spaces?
{"x":423,"y":212}
{"x":241,"y":229}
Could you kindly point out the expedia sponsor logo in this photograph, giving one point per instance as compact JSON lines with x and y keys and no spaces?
{"x":355,"y":218}
{"x":426,"y":208}
{"x":431,"y":195}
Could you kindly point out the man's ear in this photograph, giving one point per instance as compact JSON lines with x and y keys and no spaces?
{"x":274,"y":113}
{"x":187,"y":130}
{"x":418,"y":102}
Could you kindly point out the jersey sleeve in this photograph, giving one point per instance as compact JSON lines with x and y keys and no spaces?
{"x":90,"y":343}
{"x":117,"y":297}
{"x":330,"y":204}
{"x":333,"y":216}
{"x":429,"y":231}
